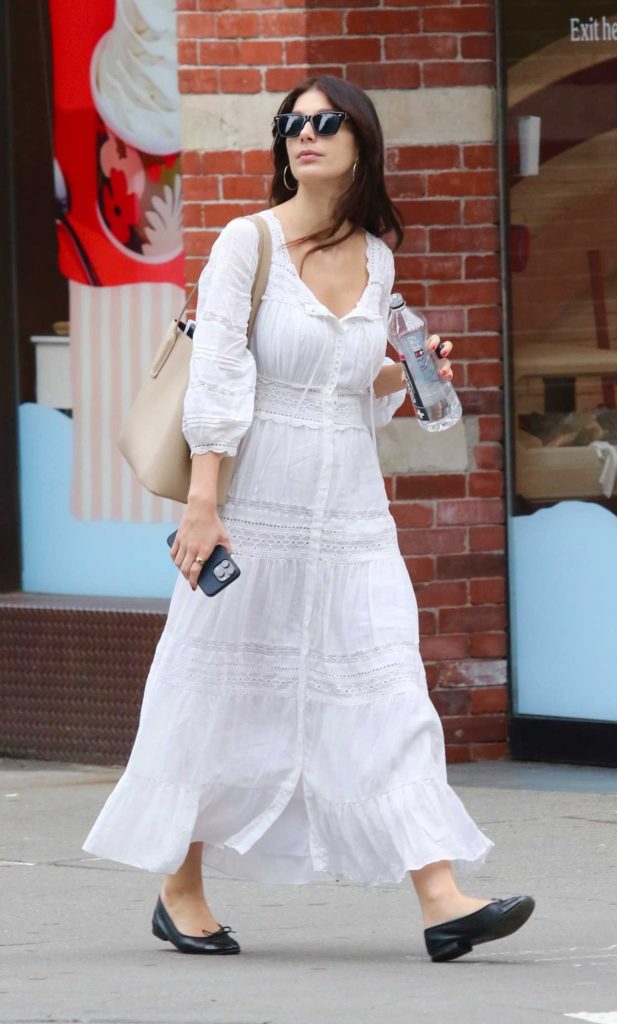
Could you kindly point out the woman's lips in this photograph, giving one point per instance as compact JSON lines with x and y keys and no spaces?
{"x":307,"y":157}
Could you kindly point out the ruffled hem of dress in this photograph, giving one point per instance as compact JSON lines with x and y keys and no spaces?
{"x":149,"y":824}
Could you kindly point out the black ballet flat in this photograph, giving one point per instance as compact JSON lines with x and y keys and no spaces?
{"x":213,"y":942}
{"x":452,"y":939}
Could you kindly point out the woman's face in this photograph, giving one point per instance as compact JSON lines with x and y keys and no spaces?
{"x":320,"y":159}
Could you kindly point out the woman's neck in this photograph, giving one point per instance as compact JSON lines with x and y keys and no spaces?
{"x":312,"y":210}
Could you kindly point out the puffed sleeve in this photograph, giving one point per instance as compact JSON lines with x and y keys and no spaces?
{"x":219,"y":400}
{"x":386,"y":405}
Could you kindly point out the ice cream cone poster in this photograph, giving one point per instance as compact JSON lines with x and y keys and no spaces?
{"x":117,"y":144}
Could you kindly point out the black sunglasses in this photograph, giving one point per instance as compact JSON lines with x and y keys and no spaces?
{"x":327,"y":122}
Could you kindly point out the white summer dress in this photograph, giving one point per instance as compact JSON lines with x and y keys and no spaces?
{"x":286,"y":722}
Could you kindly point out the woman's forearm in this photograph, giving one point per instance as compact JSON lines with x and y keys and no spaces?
{"x":389,"y":379}
{"x":204,"y":478}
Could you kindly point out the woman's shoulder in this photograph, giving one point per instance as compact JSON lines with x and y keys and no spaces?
{"x":382,"y":258}
{"x":240,"y":230}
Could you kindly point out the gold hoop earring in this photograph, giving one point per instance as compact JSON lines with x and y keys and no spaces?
{"x":353,"y":170}
{"x":289,"y":188}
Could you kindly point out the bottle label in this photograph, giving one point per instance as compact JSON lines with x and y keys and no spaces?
{"x":421,"y":412}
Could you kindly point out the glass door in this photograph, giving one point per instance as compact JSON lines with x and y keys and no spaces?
{"x":559,"y":149}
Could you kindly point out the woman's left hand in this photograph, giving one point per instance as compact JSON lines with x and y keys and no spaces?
{"x":443,"y":365}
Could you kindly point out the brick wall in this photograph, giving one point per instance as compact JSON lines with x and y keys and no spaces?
{"x":442,"y":172}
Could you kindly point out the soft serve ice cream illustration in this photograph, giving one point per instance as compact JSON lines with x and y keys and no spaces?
{"x":133,"y":77}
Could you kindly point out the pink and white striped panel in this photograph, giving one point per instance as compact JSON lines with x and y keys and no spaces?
{"x":115,"y":333}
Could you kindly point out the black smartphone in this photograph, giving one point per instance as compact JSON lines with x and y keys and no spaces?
{"x":218,"y":571}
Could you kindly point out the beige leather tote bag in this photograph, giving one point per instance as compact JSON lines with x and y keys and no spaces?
{"x":151,"y":438}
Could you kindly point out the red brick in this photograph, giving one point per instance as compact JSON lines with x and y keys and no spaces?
{"x":284,"y":79}
{"x":465,"y":293}
{"x":464,"y":239}
{"x":470,"y":510}
{"x":480,"y":155}
{"x":472,"y":620}
{"x":488,"y":456}
{"x":417,"y":47}
{"x":486,"y":375}
{"x":218,"y":214}
{"x":482,"y":266}
{"x":381,"y":23}
{"x":377,"y":75}
{"x":205,"y":187}
{"x":447,"y":321}
{"x":232,"y":25}
{"x":438,"y":648}
{"x":489,"y":700}
{"x":477,"y":346}
{"x":197,"y":80}
{"x":428,"y":486}
{"x":196,"y":243}
{"x":432,"y":211}
{"x":407,"y":514}
{"x":451,"y":702}
{"x":471,"y":673}
{"x":257,"y":161}
{"x":324,"y":23}
{"x":192,"y":163}
{"x":427,"y":623}
{"x":462,"y":183}
{"x":463,"y":567}
{"x":476,"y":403}
{"x":433,"y":541}
{"x":453,"y":73}
{"x":187,"y":52}
{"x":491,"y":591}
{"x":475,"y":728}
{"x":456,"y":19}
{"x":481,"y":211}
{"x":489,"y":751}
{"x":389,"y":485}
{"x":406,"y":185}
{"x":192,"y":215}
{"x":490,"y":428}
{"x":237,"y":52}
{"x":420,"y":569}
{"x":342,"y":50}
{"x":487,"y":538}
{"x":248,"y":5}
{"x":425,"y":158}
{"x":413,"y":292}
{"x":489,"y":645}
{"x":245,"y":186}
{"x":246,"y":80}
{"x":480,"y":47}
{"x":186,"y":5}
{"x":282,"y":24}
{"x":194,"y":26}
{"x":223,"y":162}
{"x":458,"y":753}
{"x":484,"y":318}
{"x":414,"y":240}
{"x":429,"y":268}
{"x":438,"y":595}
{"x":486,"y":485}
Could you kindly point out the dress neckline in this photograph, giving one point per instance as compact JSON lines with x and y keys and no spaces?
{"x":303,"y":284}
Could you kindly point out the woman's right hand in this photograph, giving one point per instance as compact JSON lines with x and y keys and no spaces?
{"x":199,"y":532}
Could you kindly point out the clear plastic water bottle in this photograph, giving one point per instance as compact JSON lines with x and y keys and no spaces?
{"x":435,"y":401}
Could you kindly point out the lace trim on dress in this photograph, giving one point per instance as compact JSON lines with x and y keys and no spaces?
{"x":278,"y":540}
{"x":215,"y":667}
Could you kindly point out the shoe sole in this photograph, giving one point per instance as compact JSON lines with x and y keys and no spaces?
{"x":160,"y":934}
{"x":507,"y":925}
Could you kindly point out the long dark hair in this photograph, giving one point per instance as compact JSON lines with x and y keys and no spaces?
{"x":365,"y":202}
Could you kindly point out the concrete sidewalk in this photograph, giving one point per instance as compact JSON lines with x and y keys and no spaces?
{"x":77,"y":945}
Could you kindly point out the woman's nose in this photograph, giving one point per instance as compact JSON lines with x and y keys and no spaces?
{"x":307,"y":133}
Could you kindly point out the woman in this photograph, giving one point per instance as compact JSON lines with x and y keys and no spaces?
{"x":286,"y":732}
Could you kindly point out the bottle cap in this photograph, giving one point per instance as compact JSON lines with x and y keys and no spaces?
{"x":396,"y":301}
